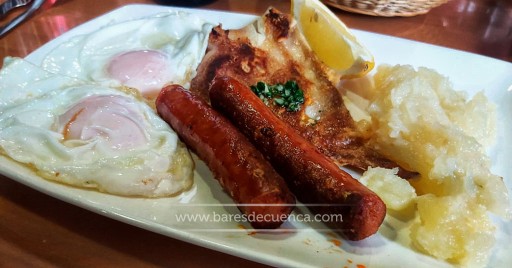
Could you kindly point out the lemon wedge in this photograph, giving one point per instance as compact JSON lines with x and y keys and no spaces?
{"x":331,"y":40}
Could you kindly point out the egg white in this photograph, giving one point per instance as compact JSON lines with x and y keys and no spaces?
{"x":180,"y":37}
{"x":31,"y":133}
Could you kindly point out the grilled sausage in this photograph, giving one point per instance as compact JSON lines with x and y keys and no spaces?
{"x":260,"y":193}
{"x":312,"y":176}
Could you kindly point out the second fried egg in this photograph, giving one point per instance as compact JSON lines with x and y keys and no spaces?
{"x":143,"y":53}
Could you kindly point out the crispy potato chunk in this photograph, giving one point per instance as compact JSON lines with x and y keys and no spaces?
{"x":396,"y":192}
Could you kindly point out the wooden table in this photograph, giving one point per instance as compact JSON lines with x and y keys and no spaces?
{"x":39,"y":231}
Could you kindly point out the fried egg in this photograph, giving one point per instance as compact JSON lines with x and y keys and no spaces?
{"x":143,"y":53}
{"x":88,"y":135}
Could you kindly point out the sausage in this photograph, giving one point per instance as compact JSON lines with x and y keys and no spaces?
{"x":259,"y":191}
{"x":313,"y":177}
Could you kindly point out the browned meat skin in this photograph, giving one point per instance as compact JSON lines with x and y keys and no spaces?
{"x":242,"y":170}
{"x":284,"y":55}
{"x":312,"y":176}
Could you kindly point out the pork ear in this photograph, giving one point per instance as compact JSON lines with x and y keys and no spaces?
{"x":272,"y":49}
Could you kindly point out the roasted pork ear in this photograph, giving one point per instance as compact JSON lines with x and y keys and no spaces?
{"x":273,"y":50}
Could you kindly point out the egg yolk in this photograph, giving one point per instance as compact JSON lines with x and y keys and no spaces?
{"x":145,"y":70}
{"x":109,"y":119}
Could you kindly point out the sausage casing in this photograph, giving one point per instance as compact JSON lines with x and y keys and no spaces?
{"x":313,"y":177}
{"x":243,"y":172}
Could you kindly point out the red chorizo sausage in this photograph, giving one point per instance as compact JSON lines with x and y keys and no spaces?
{"x":243,"y":172}
{"x":312,"y":176}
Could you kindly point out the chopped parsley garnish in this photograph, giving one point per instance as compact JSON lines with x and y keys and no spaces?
{"x":287,"y":95}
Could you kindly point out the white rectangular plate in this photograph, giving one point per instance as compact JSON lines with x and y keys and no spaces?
{"x":306,"y":246}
